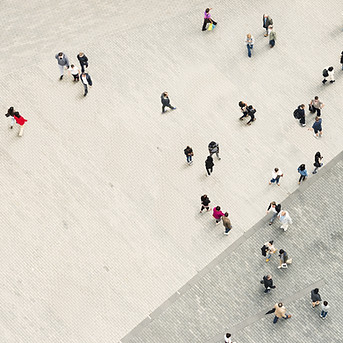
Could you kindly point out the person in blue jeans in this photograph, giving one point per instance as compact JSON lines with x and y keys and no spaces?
{"x":317,"y":127}
{"x":249,"y":42}
{"x":280,"y":312}
{"x":325,"y":308}
{"x":189,"y":153}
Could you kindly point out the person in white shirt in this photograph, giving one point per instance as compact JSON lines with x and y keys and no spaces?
{"x":249,"y":42}
{"x":325,"y":309}
{"x":276,"y":174}
{"x":227,"y":338}
{"x":86,"y":81}
{"x":330,"y":75}
{"x":285,"y":220}
{"x":75,"y":72}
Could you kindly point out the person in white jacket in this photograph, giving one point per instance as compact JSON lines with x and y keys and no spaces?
{"x":227,"y":338}
{"x":330,"y":75}
{"x":249,"y":42}
{"x":285,"y":220}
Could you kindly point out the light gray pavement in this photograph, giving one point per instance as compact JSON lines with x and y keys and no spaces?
{"x":228,"y":296}
{"x":99,"y":209}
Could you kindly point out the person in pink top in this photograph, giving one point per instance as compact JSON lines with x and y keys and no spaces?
{"x":217,"y":214}
{"x":207,"y":19}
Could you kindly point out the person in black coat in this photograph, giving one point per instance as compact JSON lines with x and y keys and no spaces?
{"x":267,"y":283}
{"x":166,"y":102}
{"x":86,"y":81}
{"x":83,"y":61}
{"x":189,"y":153}
{"x":267,"y":21}
{"x":209,"y":165}
{"x":301,"y":114}
{"x":317,"y":162}
{"x":205,"y":203}
{"x":342,"y":59}
{"x":251,"y":114}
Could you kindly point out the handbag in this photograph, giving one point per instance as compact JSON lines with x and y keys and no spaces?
{"x":211,"y":27}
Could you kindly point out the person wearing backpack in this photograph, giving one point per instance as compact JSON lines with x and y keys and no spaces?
{"x":213,"y":148}
{"x":299,"y":114}
{"x":275,"y":209}
{"x":328,"y":73}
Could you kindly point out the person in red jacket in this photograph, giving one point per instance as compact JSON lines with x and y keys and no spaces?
{"x":217,"y":214}
{"x":16,"y":117}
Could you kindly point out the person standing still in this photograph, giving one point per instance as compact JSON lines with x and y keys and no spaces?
{"x":83,"y":61}
{"x":205,"y":203}
{"x":272,"y":36}
{"x":249,"y":42}
{"x":317,"y":162}
{"x":267,"y":21}
{"x":275,"y":209}
{"x":75,"y":72}
{"x":207,"y":19}
{"x":329,"y":73}
{"x":341,"y":60}
{"x":227,"y":338}
{"x":303,"y":173}
{"x":63,"y":63}
{"x":217,"y":214}
{"x":189,"y":153}
{"x":285,"y":220}
{"x":316,"y":106}
{"x":276,"y":174}
{"x":86,"y":81}
{"x":209,"y":165}
{"x":325,"y":309}
{"x":283,"y":259}
{"x":300,"y":112}
{"x":226,"y":223}
{"x":315,"y":297}
{"x":270,"y":249}
{"x":317,"y":128}
{"x":166,"y":102}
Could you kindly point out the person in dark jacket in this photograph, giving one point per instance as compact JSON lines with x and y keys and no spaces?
{"x":244,"y":109}
{"x":317,"y":127}
{"x":166,"y":102}
{"x":275,"y":209}
{"x":83,"y":61}
{"x":267,"y":283}
{"x":189,"y":153}
{"x":266,"y":22}
{"x":209,"y":165}
{"x":315,"y":297}
{"x":213,"y":148}
{"x":251,"y":114}
{"x":283,"y":259}
{"x":205,"y":203}
{"x":317,"y":162}
{"x":301,"y":114}
{"x":342,"y":59}
{"x":86,"y":81}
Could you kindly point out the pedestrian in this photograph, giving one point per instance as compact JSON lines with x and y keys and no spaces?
{"x":267,"y":282}
{"x":204,"y":203}
{"x":75,"y":72}
{"x":329,"y":73}
{"x":63,"y":63}
{"x":276,"y":174}
{"x":284,"y":260}
{"x":317,"y":128}
{"x":303,"y":173}
{"x":251,"y":114}
{"x":166,"y":102}
{"x":267,"y":21}
{"x":208,"y":19}
{"x":315,"y":297}
{"x":249,"y":42}
{"x":280,"y":312}
{"x":83,"y":61}
{"x":213,"y":148}
{"x":317,"y":162}
{"x":272,"y":36}
{"x":325,"y":309}
{"x":244,"y":109}
{"x":16,"y":117}
{"x":299,"y":114}
{"x":217,"y":214}
{"x":189,"y":153}
{"x":209,"y":165}
{"x":226,"y":223}
{"x":86,"y":81}
{"x":269,"y":249}
{"x":275,"y":209}
{"x":285,"y":220}
{"x":227,"y":338}
{"x":316,"y":106}
{"x":341,"y":60}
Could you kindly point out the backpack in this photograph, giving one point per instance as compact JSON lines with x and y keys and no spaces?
{"x":264,"y":250}
{"x":296,"y":114}
{"x":325,"y":73}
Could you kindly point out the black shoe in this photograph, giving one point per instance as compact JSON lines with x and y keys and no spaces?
{"x":324,"y":81}
{"x":85,"y":94}
{"x":61,"y":77}
{"x":332,"y":81}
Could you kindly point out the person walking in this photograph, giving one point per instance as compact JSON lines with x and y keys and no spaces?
{"x":209,"y":165}
{"x":75,"y":72}
{"x":272,"y":36}
{"x":276,"y":174}
{"x":317,"y":128}
{"x":280,"y":312}
{"x":227,"y":338}
{"x":325,"y":309}
{"x":275,"y":209}
{"x":208,"y":19}
{"x":244,"y":109}
{"x":213,"y":148}
{"x":315,"y":297}
{"x":251,"y":114}
{"x":316,"y":106}
{"x":63,"y":63}
{"x":267,"y":21}
{"x":329,"y":73}
{"x":166,"y":102}
{"x":189,"y":153}
{"x":16,"y":117}
{"x":83,"y":61}
{"x":303,"y":173}
{"x":205,"y":203}
{"x":284,"y":260}
{"x":267,"y":282}
{"x":217,"y":214}
{"x":226,"y":223}
{"x":341,"y":60}
{"x":285,"y":220}
{"x":269,"y":249}
{"x":317,"y":162}
{"x":299,"y":114}
{"x":86,"y":81}
{"x":249,"y":42}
